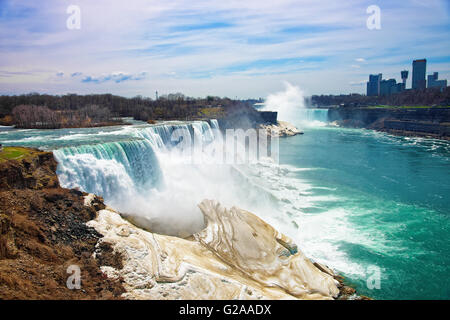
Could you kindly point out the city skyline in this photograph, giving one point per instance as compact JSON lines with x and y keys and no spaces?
{"x":201,"y":48}
{"x":421,"y":79}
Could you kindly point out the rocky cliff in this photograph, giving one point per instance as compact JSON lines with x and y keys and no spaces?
{"x":43,"y":231}
{"x":245,"y":118}
{"x":424,"y":122}
{"x":35,"y":170}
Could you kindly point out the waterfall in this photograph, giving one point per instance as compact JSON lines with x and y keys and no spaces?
{"x":114,"y":169}
{"x":111,"y":170}
{"x":313,"y":117}
{"x":314,"y":114}
{"x":148,"y":174}
{"x":145,"y":175}
{"x":163,"y":137}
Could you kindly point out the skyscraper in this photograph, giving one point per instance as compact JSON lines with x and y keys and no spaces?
{"x":373,"y":86}
{"x":418,"y":76}
{"x":433,"y":81}
{"x":388,"y":87}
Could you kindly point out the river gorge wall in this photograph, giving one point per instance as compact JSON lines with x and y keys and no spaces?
{"x":423,"y":122}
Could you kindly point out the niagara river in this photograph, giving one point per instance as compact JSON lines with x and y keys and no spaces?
{"x":362,"y":202}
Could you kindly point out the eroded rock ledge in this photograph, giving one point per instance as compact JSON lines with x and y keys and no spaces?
{"x":237,"y":256}
{"x":281,"y":129}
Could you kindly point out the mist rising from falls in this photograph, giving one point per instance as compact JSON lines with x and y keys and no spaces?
{"x":286,"y":102}
{"x":291,"y":106}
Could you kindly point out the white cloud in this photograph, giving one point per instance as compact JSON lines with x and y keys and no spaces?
{"x":165,"y":39}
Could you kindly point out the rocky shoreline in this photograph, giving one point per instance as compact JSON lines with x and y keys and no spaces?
{"x":45,"y":229}
{"x":281,"y":129}
{"x":416,"y":122}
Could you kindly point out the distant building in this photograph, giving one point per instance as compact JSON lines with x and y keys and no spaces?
{"x":388,"y":87}
{"x":404,"y":75}
{"x":433,"y":81}
{"x":401,"y":86}
{"x":175,"y":96}
{"x":418,"y":75}
{"x":373,"y":86}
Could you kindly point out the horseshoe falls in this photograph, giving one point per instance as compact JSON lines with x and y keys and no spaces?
{"x":374,"y":207}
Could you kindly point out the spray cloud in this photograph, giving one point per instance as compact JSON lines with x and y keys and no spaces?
{"x":287,"y":103}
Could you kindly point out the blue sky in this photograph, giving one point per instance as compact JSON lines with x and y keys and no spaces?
{"x":226,"y":48}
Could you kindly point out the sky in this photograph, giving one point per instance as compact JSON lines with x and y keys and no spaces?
{"x":243,"y":49}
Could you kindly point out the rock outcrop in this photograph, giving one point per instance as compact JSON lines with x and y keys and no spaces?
{"x":237,"y":256}
{"x":281,"y":129}
{"x":43,"y":231}
{"x":35,"y":171}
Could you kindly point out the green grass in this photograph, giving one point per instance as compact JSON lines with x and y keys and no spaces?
{"x":14,"y":153}
{"x":213,"y":112}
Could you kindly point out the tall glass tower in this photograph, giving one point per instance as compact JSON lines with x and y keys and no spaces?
{"x":373,"y":86}
{"x":418,"y":75}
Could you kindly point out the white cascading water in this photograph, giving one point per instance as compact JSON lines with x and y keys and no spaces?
{"x":154,"y":178}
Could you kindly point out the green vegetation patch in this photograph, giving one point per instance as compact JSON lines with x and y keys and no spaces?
{"x":212,"y":112}
{"x":14,"y":153}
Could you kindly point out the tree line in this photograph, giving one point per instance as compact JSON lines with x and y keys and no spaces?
{"x":41,"y":117}
{"x":58,"y":111}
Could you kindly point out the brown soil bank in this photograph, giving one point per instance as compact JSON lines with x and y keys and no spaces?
{"x":420,"y":122}
{"x":43,"y":232}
